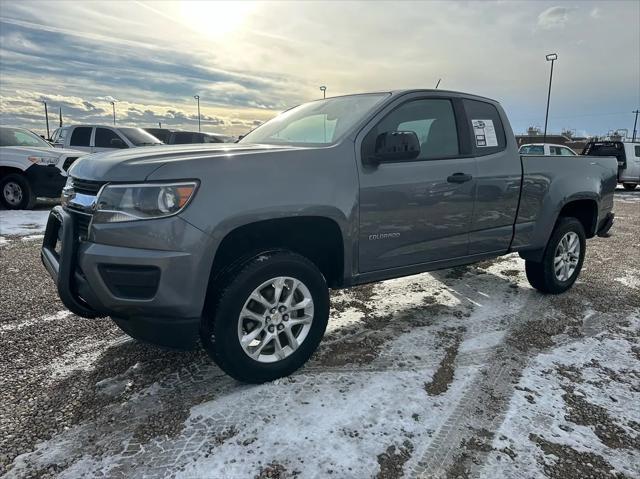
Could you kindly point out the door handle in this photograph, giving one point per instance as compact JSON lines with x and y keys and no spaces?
{"x":459,"y":178}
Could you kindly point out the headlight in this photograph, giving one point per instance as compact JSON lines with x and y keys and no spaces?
{"x":43,"y":160}
{"x":142,"y":201}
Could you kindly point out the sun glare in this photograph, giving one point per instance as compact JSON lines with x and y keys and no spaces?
{"x":215,"y":19}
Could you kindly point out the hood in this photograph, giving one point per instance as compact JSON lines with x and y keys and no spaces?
{"x":42,"y":151}
{"x":136,"y":164}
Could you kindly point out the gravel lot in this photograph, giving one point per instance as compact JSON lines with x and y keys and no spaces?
{"x":458,"y":373}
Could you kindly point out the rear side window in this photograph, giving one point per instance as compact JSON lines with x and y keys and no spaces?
{"x":81,"y":136}
{"x":555,"y":150}
{"x":104,"y":136}
{"x":567,"y":152}
{"x":486,"y":126}
{"x":637,"y":151}
{"x":181,"y":138}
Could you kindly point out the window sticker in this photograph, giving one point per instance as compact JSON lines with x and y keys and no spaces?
{"x":485,"y":133}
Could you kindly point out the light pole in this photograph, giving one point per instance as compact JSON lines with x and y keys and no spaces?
{"x":197,"y":97}
{"x":323,"y":89}
{"x":46,"y":115}
{"x":635,"y":123}
{"x":113,"y":105}
{"x":551,"y":57}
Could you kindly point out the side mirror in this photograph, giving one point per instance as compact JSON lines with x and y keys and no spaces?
{"x":117,"y":143}
{"x":397,"y":146}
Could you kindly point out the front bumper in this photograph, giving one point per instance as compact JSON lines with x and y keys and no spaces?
{"x":45,"y":181}
{"x":153,"y":295}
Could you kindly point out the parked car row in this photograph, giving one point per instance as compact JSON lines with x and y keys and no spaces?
{"x":627,"y":154}
{"x":31,"y":167}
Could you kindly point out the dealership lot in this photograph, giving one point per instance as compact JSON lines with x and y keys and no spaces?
{"x":457,"y":373}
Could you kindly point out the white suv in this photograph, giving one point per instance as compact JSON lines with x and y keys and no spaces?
{"x":95,"y":138}
{"x":30,"y":167}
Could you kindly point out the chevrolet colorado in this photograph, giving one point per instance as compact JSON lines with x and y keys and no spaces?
{"x":237,"y":244}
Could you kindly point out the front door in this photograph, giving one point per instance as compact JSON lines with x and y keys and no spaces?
{"x":106,"y":139}
{"x":417,"y":211}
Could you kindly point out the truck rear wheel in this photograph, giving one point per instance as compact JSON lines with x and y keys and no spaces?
{"x":269,"y":317}
{"x":629,"y":186}
{"x":562,"y":260}
{"x":16,"y":193}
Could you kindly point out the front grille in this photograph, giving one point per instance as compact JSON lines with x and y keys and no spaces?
{"x":68,"y":162}
{"x":87,"y":187}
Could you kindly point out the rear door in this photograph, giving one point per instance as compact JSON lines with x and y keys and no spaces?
{"x":498,"y":177}
{"x":417,"y":211}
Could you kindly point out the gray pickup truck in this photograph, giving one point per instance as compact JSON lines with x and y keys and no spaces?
{"x":238,"y":244}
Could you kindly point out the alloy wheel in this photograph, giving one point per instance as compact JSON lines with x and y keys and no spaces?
{"x":566,"y":257}
{"x":275,"y":319}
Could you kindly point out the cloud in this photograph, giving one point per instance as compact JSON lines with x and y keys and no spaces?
{"x":595,"y":13}
{"x":153,"y":60}
{"x":554,"y":17}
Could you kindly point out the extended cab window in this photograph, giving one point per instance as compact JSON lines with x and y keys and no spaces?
{"x":637,"y":151}
{"x":81,"y":136}
{"x":566,"y":152}
{"x":432,"y":120}
{"x":486,"y":126}
{"x":104,"y":136}
{"x":555,"y":150}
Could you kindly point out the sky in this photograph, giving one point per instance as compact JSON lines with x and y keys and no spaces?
{"x":250,"y":60}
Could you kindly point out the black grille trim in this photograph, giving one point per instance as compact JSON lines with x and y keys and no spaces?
{"x":83,"y":221}
{"x":87,"y":187}
{"x":68,"y":162}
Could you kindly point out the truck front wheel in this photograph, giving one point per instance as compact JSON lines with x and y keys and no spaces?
{"x":269,"y":316}
{"x":562,"y":260}
{"x":16,"y":193}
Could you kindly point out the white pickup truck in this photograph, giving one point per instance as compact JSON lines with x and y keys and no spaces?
{"x":30,"y":168}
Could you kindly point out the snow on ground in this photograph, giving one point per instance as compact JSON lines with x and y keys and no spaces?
{"x":458,"y":373}
{"x":561,"y":400}
{"x":22,"y":222}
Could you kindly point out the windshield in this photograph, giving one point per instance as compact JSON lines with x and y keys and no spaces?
{"x":19,"y":137}
{"x":321,"y":122}
{"x":139,"y":137}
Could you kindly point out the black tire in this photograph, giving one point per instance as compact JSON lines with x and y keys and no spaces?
{"x":20,"y":186}
{"x":629,"y":186}
{"x":542,"y":275}
{"x":219,"y":326}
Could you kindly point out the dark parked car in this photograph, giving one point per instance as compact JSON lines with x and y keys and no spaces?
{"x":181,"y":137}
{"x":162,"y":134}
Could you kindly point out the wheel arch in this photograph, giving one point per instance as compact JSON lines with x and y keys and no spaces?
{"x":318,"y":238}
{"x":8,"y":170}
